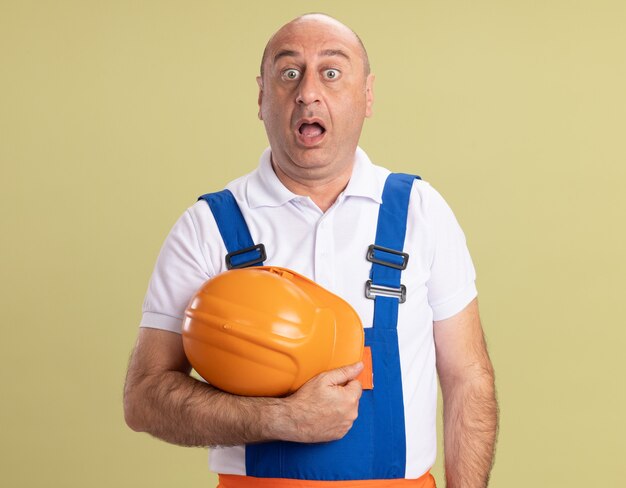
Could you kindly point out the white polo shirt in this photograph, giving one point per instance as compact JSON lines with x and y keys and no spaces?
{"x":330,"y":248}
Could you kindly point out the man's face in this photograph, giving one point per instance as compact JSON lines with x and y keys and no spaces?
{"x":313,"y":98}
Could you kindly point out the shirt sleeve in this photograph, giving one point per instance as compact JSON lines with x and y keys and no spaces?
{"x":180,"y":271}
{"x":451,"y":286}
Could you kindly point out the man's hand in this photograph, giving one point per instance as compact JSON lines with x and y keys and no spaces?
{"x":324,"y":408}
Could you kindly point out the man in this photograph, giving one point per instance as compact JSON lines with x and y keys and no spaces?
{"x":314,"y":202}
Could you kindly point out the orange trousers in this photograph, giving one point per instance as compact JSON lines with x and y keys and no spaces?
{"x":235,"y":481}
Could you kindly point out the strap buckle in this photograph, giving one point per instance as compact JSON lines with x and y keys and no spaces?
{"x":259,"y":248}
{"x":372,"y":291}
{"x":391,"y":263}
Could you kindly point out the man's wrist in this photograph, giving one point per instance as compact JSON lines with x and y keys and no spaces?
{"x":276,"y":420}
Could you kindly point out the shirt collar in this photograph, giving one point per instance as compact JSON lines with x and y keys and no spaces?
{"x":265,"y":189}
{"x":365,"y":180}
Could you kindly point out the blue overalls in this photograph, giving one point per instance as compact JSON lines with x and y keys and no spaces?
{"x":375,"y":446}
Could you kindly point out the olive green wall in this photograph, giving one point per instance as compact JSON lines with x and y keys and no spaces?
{"x":115,"y":115}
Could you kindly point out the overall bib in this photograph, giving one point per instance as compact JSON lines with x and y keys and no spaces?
{"x":375,"y":446}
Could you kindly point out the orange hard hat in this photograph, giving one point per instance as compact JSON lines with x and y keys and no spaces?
{"x":265,"y":331}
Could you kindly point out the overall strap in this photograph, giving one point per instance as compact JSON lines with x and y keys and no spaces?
{"x":386,"y":254}
{"x":242,"y":252}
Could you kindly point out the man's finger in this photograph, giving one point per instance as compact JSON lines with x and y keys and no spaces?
{"x":343,"y":375}
{"x":355,"y":387}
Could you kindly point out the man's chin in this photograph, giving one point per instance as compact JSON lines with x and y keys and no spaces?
{"x":312,"y":157}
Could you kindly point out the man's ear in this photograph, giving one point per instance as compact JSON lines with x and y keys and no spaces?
{"x":259,"y":81}
{"x":369,"y":94}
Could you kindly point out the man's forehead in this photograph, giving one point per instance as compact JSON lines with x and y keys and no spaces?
{"x":320,"y":37}
{"x":318,"y":32}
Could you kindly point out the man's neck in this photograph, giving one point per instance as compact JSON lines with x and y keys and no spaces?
{"x":323,"y":192}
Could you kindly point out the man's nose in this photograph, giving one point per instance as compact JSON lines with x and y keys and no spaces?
{"x":308,"y":89}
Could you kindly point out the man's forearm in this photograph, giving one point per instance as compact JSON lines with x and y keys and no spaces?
{"x":182,"y":410}
{"x":470,"y":428}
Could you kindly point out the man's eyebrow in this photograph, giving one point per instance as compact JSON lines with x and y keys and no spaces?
{"x":335,"y":52}
{"x":285,"y":53}
{"x":288,"y":53}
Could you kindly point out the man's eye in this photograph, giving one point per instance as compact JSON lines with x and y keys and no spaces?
{"x":291,"y":74}
{"x":331,"y":74}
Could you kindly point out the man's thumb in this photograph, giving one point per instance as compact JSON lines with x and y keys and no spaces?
{"x":341,"y":376}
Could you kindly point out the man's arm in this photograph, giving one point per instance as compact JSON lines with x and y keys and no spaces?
{"x":470,"y":410}
{"x":162,"y":399}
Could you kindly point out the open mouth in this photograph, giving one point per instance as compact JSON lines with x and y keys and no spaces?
{"x":311,"y":130}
